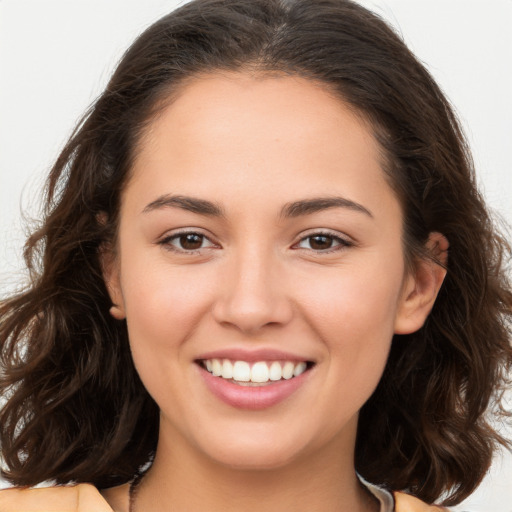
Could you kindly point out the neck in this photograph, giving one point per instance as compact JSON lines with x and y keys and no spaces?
{"x":182,"y":479}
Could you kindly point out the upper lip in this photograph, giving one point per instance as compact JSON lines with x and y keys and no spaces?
{"x":255,"y":355}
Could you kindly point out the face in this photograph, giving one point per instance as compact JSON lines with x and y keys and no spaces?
{"x":259,"y":239}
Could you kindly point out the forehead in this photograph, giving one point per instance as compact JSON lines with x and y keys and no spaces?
{"x":267,"y":135}
{"x":263,"y":104}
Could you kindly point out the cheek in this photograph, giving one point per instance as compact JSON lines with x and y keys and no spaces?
{"x":354,"y":314}
{"x":163,"y":303}
{"x":163,"y":310}
{"x":357,"y":299}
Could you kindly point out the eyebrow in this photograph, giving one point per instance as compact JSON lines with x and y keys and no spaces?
{"x":317,"y":204}
{"x":192,"y":204}
{"x":294,"y":209}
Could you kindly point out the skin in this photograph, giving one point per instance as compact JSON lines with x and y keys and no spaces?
{"x":252,"y":145}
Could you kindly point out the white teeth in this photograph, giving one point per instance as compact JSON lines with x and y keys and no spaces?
{"x":288,"y":370}
{"x":241,"y":371}
{"x":216,"y":367}
{"x":260,"y":372}
{"x":300,"y":368}
{"x":276,"y":373}
{"x":227,"y":369}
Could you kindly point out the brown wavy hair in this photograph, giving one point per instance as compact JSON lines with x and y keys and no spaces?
{"x":75,"y":409}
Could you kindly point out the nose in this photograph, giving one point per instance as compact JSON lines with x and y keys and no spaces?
{"x":253,"y":294}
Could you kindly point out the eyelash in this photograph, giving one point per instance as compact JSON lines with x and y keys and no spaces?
{"x":167,"y":242}
{"x":342,"y":243}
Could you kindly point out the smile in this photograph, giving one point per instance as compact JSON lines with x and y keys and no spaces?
{"x":254,"y":381}
{"x":257,"y":373}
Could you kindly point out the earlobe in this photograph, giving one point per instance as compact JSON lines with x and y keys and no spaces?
{"x":110,"y":271}
{"x":422,"y":286}
{"x":117,"y":312}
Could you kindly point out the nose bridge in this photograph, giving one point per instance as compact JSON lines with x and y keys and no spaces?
{"x":253,"y":292}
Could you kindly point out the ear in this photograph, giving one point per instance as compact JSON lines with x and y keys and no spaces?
{"x":422,"y":285}
{"x":111,"y":276}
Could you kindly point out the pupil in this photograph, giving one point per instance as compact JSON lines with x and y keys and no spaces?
{"x":191,"y":241}
{"x":320,"y":242}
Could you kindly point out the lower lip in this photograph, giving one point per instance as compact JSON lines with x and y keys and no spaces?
{"x":252,"y":397}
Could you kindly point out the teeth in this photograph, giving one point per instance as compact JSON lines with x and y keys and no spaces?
{"x":276,"y":372}
{"x":288,"y":370}
{"x":300,"y":368}
{"x":260,"y":372}
{"x":216,"y":367}
{"x":227,"y":369}
{"x":241,"y":371}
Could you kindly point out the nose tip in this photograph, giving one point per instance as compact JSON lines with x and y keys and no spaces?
{"x":252,"y":300}
{"x":250,"y":317}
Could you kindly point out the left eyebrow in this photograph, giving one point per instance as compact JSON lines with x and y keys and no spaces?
{"x":317,"y":204}
{"x":191,"y":204}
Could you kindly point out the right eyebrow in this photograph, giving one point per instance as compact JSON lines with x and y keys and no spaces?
{"x":191,"y":204}
{"x":317,"y":204}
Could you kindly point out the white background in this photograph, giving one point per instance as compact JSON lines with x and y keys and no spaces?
{"x":56,"y":56}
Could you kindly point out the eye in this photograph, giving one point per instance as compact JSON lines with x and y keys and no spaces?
{"x":323,"y":242}
{"x":187,"y":242}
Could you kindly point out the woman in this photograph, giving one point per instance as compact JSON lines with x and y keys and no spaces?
{"x":265,"y":270}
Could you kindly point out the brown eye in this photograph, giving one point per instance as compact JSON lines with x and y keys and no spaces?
{"x":323,"y":242}
{"x":187,"y":242}
{"x":191,"y":241}
{"x":320,"y":242}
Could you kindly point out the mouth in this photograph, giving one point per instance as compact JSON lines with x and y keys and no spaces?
{"x":258,"y":373}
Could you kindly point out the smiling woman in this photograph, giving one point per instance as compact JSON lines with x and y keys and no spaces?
{"x":267,"y":279}
{"x":273,"y":271}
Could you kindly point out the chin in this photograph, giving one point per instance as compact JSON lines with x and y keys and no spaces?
{"x":251,"y":458}
{"x":262,"y":448}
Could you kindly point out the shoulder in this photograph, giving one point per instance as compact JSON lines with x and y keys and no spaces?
{"x":85,"y":497}
{"x":407,"y":503}
{"x":76,"y":498}
{"x":399,"y":501}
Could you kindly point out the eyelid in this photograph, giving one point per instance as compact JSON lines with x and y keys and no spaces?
{"x":344,"y":240}
{"x":165,"y":240}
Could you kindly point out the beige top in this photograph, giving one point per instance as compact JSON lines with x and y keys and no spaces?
{"x":86,"y":498}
